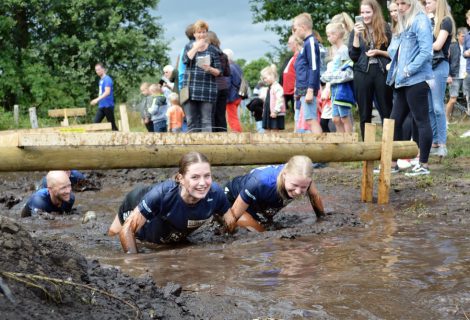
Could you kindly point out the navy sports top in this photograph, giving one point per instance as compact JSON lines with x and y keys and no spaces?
{"x":41,"y":200}
{"x":258,"y":190}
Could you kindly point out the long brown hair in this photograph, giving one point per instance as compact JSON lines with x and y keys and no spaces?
{"x":187,"y":160}
{"x":378,"y":23}
{"x":300,"y":166}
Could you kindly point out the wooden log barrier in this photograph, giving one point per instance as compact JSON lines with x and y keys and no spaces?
{"x":31,"y":158}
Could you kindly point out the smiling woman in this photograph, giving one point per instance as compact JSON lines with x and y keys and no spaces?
{"x":168,"y":211}
{"x":250,"y":41}
{"x":266,"y":190}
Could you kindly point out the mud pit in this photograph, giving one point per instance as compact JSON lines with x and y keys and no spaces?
{"x":406,"y":260}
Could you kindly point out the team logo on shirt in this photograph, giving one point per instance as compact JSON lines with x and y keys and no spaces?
{"x":193,"y":224}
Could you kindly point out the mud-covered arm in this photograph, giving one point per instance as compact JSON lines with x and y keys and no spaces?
{"x":238,"y":209}
{"x":127,"y":235}
{"x":315,"y":200}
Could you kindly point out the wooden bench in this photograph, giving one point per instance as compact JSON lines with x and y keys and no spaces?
{"x":65,"y":113}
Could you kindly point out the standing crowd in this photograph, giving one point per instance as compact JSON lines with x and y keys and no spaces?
{"x":399,"y":68}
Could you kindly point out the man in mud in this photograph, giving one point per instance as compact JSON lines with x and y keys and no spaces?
{"x":56,"y":198}
{"x":77,"y":179}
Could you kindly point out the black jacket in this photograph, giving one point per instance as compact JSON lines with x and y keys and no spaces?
{"x":454,"y":59}
{"x":359,"y":57}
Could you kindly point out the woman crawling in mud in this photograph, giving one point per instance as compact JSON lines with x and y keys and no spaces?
{"x":168,"y":211}
{"x":266,"y":190}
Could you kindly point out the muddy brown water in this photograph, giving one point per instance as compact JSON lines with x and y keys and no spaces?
{"x":390,"y":265}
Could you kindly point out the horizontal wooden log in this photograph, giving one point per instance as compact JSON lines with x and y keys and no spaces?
{"x":116,"y":157}
{"x":71,"y":112}
{"x":150,"y":139}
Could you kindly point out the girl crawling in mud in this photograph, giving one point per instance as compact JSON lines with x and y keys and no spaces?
{"x":168,"y":211}
{"x":266,"y":190}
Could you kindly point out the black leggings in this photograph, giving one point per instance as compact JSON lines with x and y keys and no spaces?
{"x":414,"y":99}
{"x":368,"y":88}
{"x":107,"y":112}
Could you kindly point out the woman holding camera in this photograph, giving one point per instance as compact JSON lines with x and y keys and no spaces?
{"x":368,"y":44}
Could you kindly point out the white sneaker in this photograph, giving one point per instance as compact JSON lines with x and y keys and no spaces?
{"x":404,"y":164}
{"x":418,"y":170}
{"x":414,"y":161}
{"x":442,"y":151}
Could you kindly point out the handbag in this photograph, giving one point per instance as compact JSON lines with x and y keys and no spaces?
{"x":184,"y":92}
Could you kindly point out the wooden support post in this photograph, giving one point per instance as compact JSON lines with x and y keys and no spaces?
{"x":65,"y":122}
{"x":386,"y":161}
{"x":124,"y":118}
{"x":33,"y":117}
{"x":16,"y":115}
{"x":367,"y":185}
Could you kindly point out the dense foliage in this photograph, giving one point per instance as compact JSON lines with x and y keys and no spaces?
{"x":49,"y":49}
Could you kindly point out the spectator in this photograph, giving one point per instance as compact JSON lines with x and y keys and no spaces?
{"x":339,"y":76}
{"x":189,"y":32}
{"x":368,"y":44}
{"x":347,"y":22}
{"x":105,"y":99}
{"x":274,"y":109}
{"x":175,"y":114}
{"x":144,"y":104}
{"x":307,"y":70}
{"x":409,"y":73}
{"x":233,"y":100}
{"x":458,"y":65}
{"x":219,"y":122}
{"x":167,"y":76}
{"x":443,"y":31}
{"x":202,"y":67}
{"x":287,"y":78}
{"x":158,"y":108}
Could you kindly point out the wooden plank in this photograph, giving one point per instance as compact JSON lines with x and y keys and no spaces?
{"x":71,"y":112}
{"x":141,"y":138}
{"x":82,"y":128}
{"x":367,"y":184}
{"x":124,"y":118}
{"x":156,"y":156}
{"x":386,"y":161}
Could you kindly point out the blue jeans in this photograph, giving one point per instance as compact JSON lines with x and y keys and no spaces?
{"x":199,"y":116}
{"x":437,"y":111}
{"x":159,"y":126}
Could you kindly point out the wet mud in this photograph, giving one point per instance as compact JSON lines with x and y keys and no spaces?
{"x":68,"y":268}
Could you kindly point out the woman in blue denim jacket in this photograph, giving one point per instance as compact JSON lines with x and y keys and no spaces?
{"x":411,"y":54}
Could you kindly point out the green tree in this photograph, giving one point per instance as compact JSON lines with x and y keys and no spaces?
{"x":251,"y":71}
{"x":49,"y":49}
{"x":281,"y":12}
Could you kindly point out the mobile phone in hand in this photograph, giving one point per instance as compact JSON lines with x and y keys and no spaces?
{"x":359,"y":19}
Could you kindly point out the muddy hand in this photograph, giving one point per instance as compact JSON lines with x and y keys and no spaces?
{"x":229,"y":221}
